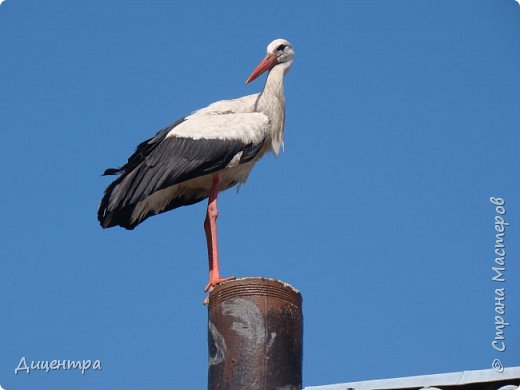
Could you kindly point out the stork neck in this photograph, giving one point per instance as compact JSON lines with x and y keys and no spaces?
{"x":273,"y":87}
{"x":272,"y":102}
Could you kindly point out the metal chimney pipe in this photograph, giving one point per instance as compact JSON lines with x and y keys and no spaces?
{"x":255,"y":336}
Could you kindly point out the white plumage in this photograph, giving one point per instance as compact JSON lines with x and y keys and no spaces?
{"x":251,"y":127}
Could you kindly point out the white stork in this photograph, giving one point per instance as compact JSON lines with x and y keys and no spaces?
{"x":201,"y":154}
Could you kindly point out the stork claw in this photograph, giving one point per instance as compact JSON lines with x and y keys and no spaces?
{"x":214,"y":282}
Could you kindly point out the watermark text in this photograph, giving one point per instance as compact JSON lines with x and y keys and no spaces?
{"x":498,"y":276}
{"x":56,"y":365}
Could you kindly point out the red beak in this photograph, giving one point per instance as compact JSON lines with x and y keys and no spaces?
{"x":266,"y":64}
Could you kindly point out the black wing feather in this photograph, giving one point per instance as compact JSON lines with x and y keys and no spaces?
{"x":160,"y":162}
{"x":142,"y":150}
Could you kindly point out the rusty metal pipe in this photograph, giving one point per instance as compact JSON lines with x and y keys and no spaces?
{"x":255,"y":336}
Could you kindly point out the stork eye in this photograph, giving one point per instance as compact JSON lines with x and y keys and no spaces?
{"x":281,"y":47}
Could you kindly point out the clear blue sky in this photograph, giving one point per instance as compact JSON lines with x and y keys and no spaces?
{"x":403,"y":118}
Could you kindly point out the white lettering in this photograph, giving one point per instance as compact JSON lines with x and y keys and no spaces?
{"x":500,"y":307}
{"x":502,"y":347}
{"x":86,"y":366}
{"x":48,"y":365}
{"x":45,"y":365}
{"x":73,"y":364}
{"x":25,"y":367}
{"x":499,"y":241}
{"x":500,"y":323}
{"x":500,"y":221}
{"x":499,"y":277}
{"x":497,"y":201}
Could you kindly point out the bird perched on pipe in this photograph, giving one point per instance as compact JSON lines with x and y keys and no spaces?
{"x":198,"y":156}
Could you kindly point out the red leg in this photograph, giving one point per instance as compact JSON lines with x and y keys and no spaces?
{"x":210,"y":227}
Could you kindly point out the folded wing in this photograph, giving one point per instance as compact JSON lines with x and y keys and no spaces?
{"x":192,"y":147}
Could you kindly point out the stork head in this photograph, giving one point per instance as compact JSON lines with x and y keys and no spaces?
{"x":279,"y":52}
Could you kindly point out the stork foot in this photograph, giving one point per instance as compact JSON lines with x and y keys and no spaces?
{"x":213,"y":282}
